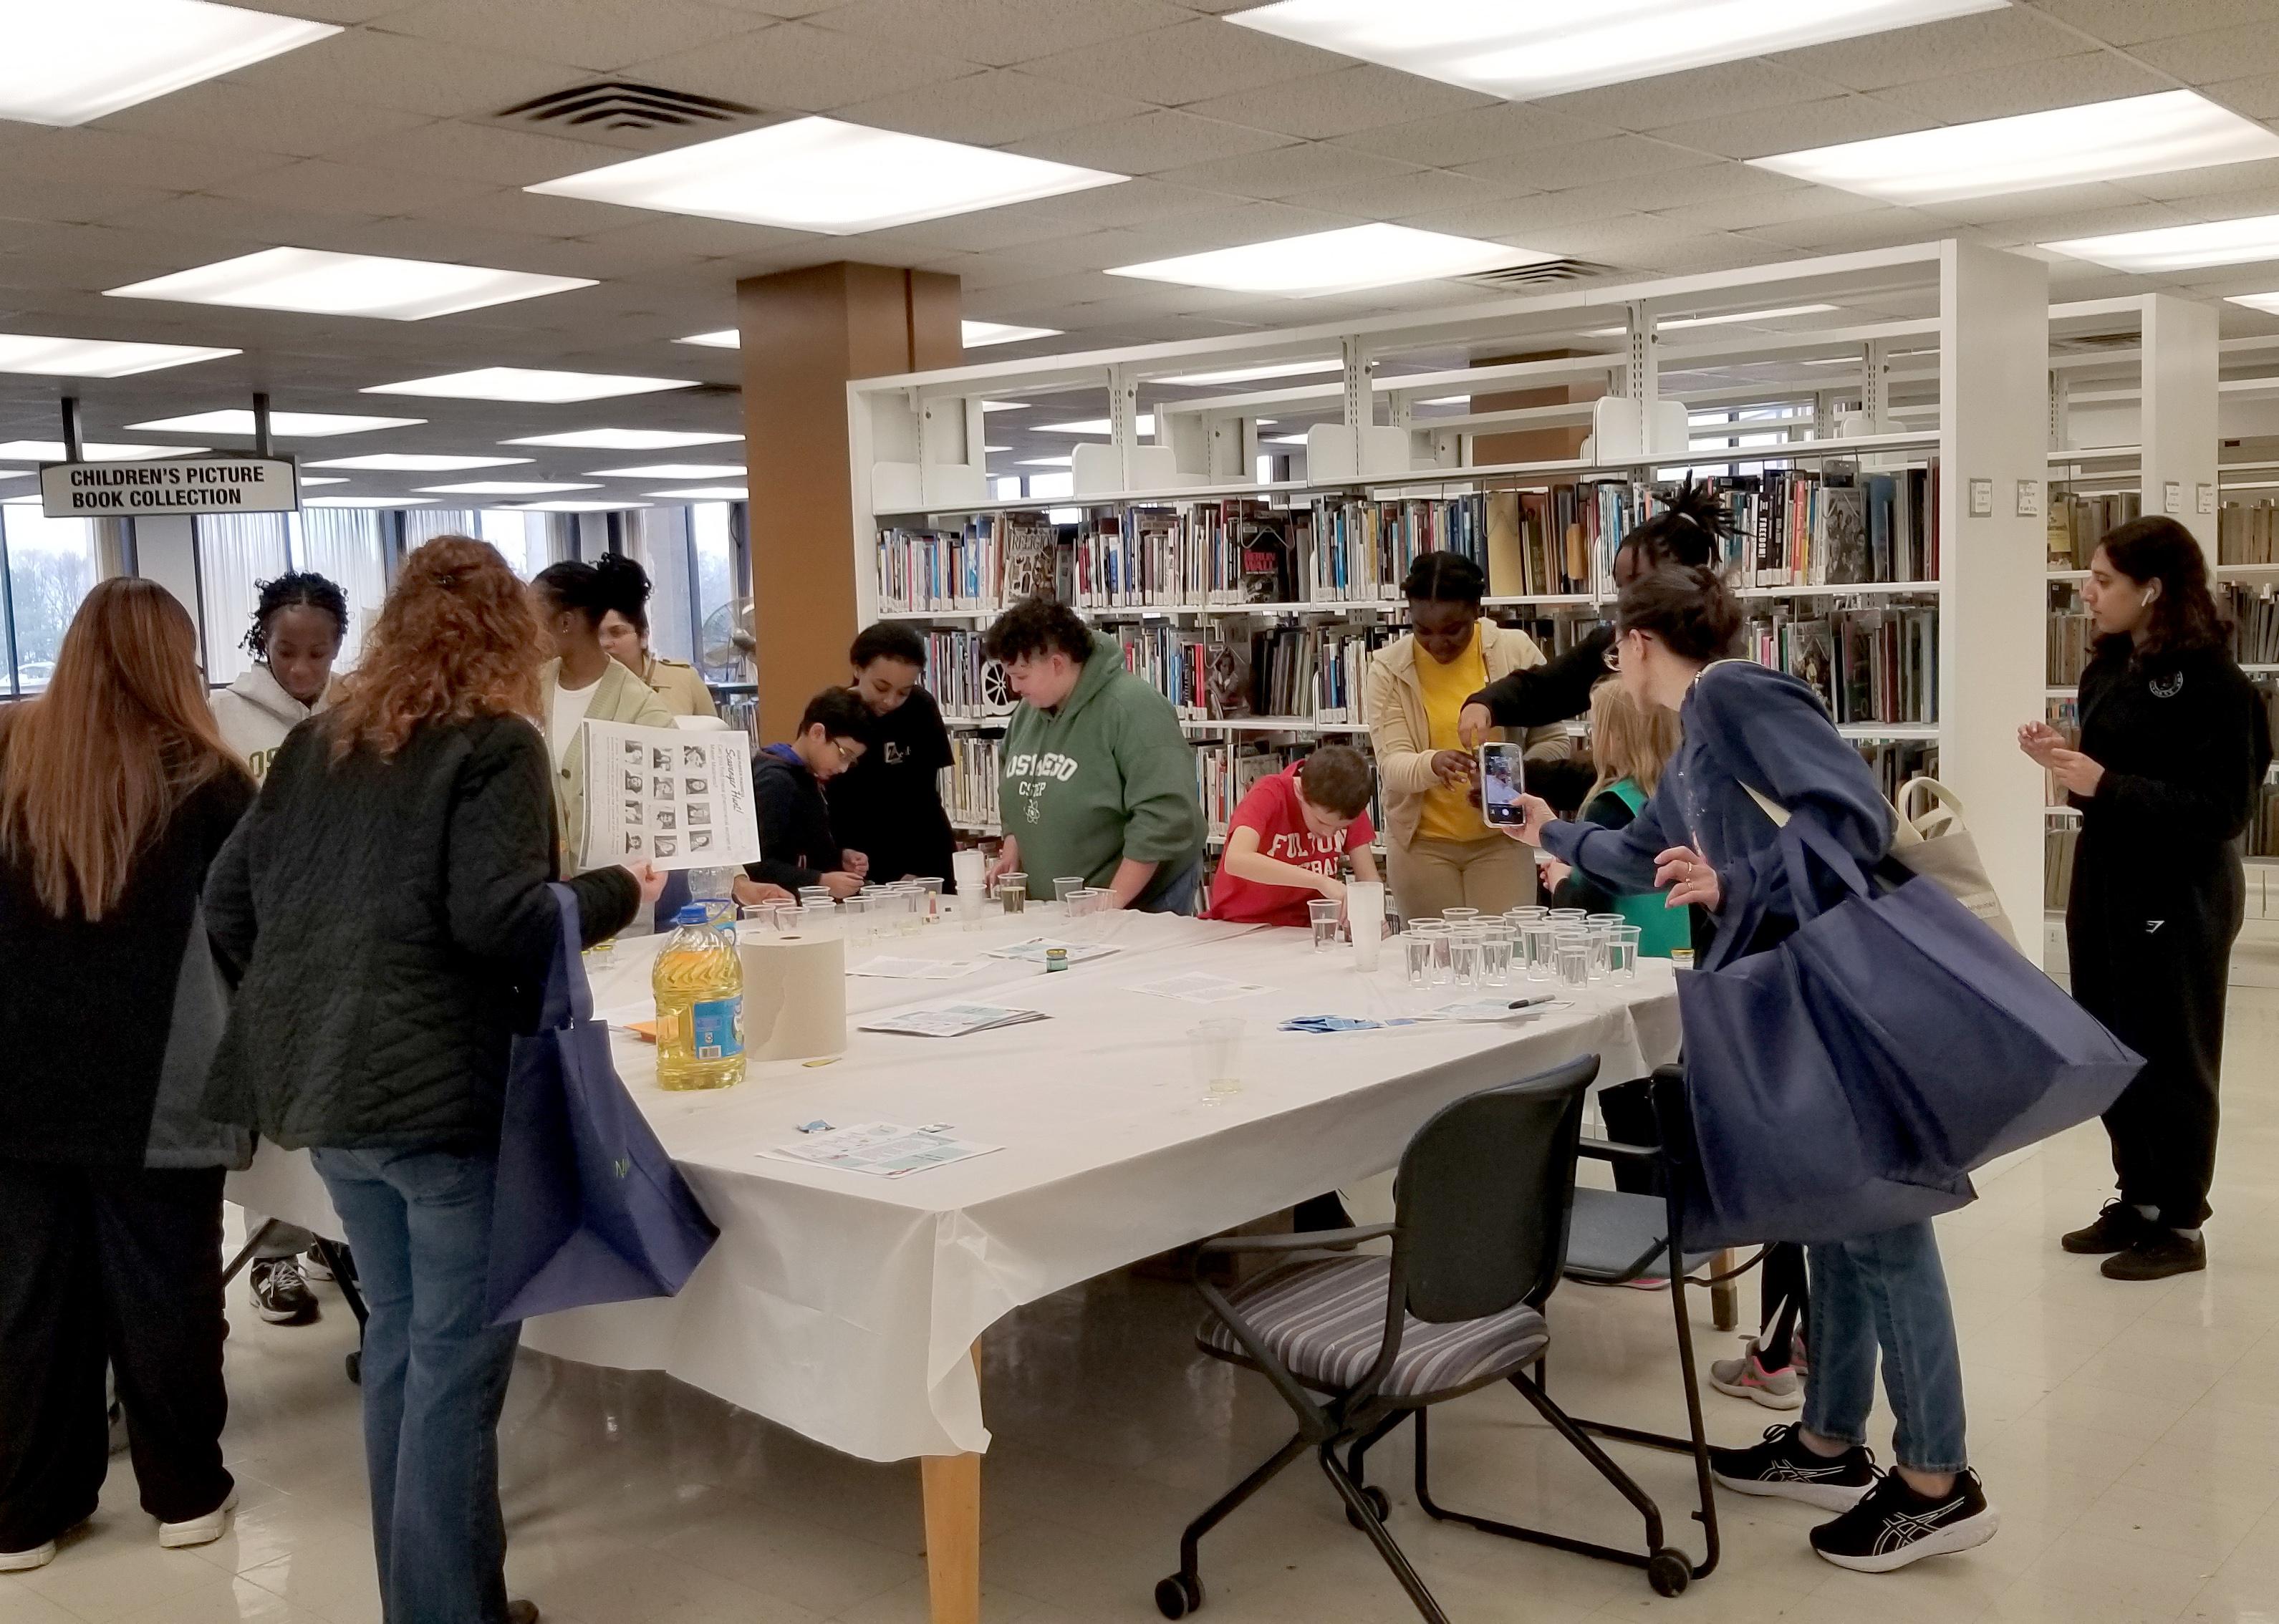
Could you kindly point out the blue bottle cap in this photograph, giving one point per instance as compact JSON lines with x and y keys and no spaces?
{"x":691,"y":914}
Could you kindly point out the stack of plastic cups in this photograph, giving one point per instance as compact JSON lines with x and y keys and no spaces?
{"x":810,"y":895}
{"x":1365,"y":922}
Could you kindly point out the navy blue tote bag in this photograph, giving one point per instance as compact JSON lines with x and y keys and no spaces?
{"x":1847,"y":1080}
{"x":589,"y":1209}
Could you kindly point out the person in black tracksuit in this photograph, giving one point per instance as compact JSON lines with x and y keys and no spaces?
{"x":2175,"y":743}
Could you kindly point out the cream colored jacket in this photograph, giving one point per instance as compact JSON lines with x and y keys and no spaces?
{"x":620,"y":696}
{"x":1401,"y":736}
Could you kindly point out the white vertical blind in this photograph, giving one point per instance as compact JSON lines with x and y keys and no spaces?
{"x":522,"y":538}
{"x":236,"y":553}
{"x":344,"y":545}
{"x":658,"y":537}
{"x":718,"y":596}
{"x":425,"y":523}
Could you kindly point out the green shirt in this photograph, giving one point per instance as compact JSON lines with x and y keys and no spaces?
{"x":1105,"y":776}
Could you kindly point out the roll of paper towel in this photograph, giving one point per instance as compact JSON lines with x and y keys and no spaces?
{"x":794,"y":997}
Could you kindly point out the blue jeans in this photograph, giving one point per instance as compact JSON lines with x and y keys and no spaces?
{"x":1179,"y":895}
{"x":435,"y":1378}
{"x":1886,"y":1291}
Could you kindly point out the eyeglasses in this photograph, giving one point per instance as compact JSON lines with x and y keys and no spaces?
{"x":848,"y":754}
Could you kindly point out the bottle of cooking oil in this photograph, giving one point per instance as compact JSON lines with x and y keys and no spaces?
{"x":699,"y":982}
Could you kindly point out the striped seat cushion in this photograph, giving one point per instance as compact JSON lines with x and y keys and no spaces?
{"x":1324,"y":1319}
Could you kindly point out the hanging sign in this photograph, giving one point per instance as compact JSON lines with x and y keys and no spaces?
{"x":170,"y":484}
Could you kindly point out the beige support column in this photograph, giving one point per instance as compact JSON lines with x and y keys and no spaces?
{"x":2178,"y":414}
{"x":804,"y":334}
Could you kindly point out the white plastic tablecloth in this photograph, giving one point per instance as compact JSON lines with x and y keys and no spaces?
{"x":843,"y":1305}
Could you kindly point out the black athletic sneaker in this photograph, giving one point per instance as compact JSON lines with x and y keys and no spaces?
{"x":280,"y":1294}
{"x":1784,"y":1467}
{"x":2118,"y":1226}
{"x":2163,"y":1254}
{"x":1895,"y":1526}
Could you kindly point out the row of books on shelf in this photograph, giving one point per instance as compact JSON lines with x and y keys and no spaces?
{"x":2253,"y":612}
{"x":2247,"y":532}
{"x":1794,"y":527}
{"x":1868,"y":665}
{"x":969,"y":783}
{"x":2075,"y":522}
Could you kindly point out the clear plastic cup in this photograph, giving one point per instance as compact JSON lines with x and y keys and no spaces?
{"x":810,"y":894}
{"x":909,"y":910}
{"x":1065,"y":886}
{"x":1574,"y":961}
{"x":1536,"y":941}
{"x":1013,"y":892}
{"x":1460,"y":915}
{"x":858,"y":916}
{"x":818,"y":919}
{"x":931,"y":884}
{"x":1495,"y":958}
{"x":1566,"y":916}
{"x":1323,"y":914}
{"x":1464,"y":956}
{"x":1215,"y":1048}
{"x":1416,"y":947}
{"x":1622,"y":954}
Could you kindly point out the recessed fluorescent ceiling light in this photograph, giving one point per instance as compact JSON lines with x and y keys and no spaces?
{"x":575,"y":507}
{"x":506,"y":487}
{"x":318,"y":282}
{"x":68,"y":64}
{"x":1144,"y":424}
{"x":981,"y":335}
{"x":2179,"y":248}
{"x":324,"y":479}
{"x":2256,"y":301}
{"x":77,"y":357}
{"x":2066,"y":146}
{"x":822,"y":175}
{"x":417,"y":462}
{"x":1047,"y":461}
{"x":1669,"y":324}
{"x":367,"y":502}
{"x":299,"y":425}
{"x":626,"y":440}
{"x":52,"y":451}
{"x":1250,"y":374}
{"x":1521,"y":52}
{"x":524,"y":383}
{"x":708,"y":493}
{"x":672,"y":470}
{"x":1329,"y":262}
{"x":726,"y":338}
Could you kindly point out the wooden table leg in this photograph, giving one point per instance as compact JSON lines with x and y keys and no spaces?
{"x":1726,"y":1296}
{"x":952,"y":1484}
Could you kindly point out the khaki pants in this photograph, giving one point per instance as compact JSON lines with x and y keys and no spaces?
{"x":1429,"y":876}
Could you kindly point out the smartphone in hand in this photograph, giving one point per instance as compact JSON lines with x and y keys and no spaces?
{"x":1502,"y":777}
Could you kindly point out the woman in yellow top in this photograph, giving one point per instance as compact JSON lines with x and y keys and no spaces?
{"x":1439,"y":851}
{"x":625,"y":634}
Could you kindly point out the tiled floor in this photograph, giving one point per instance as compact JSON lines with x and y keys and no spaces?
{"x":2130,"y":1435}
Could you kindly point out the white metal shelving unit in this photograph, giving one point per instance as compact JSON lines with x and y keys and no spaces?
{"x":1964,"y":331}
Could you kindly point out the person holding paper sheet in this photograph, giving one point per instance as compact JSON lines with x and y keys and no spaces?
{"x":582,"y":681}
{"x":797,"y":844}
{"x":1099,"y":781}
{"x":386,"y":911}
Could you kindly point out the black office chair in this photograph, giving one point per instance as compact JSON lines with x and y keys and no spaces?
{"x":1478,"y":1246}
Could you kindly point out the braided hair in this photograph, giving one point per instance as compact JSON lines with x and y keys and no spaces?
{"x":296,"y":589}
{"x":1686,"y":532}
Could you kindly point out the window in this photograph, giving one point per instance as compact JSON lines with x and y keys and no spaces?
{"x":521,"y":538}
{"x":49,"y":566}
{"x":660,"y":540}
{"x":721,"y":610}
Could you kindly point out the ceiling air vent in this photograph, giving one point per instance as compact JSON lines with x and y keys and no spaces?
{"x":1537,"y":275}
{"x":620,"y":104}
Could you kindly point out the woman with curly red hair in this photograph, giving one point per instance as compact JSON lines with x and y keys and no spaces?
{"x":385,"y":906}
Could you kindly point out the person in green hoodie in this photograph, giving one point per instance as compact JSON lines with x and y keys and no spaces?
{"x":1098,"y":779}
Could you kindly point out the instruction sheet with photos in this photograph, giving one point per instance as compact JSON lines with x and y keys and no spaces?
{"x":678,"y":799}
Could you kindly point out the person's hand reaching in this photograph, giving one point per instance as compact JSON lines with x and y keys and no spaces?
{"x":1689,"y":878}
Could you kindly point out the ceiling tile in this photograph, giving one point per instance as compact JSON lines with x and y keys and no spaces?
{"x":1529,"y":222}
{"x":339,"y":188}
{"x":2220,"y":53}
{"x":1770,"y":207}
{"x":393,"y":69}
{"x":1694,"y":183}
{"x":1878,"y":227}
{"x":802,"y":67}
{"x":991,"y":108}
{"x":1148,"y":143}
{"x":1000,"y":32}
{"x":1408,"y":195}
{"x":173,"y":164}
{"x":2058,"y":210}
{"x":1954,"y":45}
{"x":202,"y":228}
{"x":1134,"y":203}
{"x":343,"y":12}
{"x":1555,"y":168}
{"x":1698,"y":93}
{"x":467,"y":152}
{"x":2254,"y":99}
{"x":529,"y":213}
{"x":2026,"y":87}
{"x":1286,"y":170}
{"x":2126,"y":22}
{"x":1769,"y":130}
{"x":1192,"y":62}
{"x":2220,"y":185}
{"x":260,"y":118}
{"x":594,"y":36}
{"x":1230,"y":224}
{"x":29,"y":197}
{"x":1450,"y":139}
{"x":991,"y":230}
{"x":1364,"y":96}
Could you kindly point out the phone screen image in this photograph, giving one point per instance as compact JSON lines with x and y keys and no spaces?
{"x":1503,"y":775}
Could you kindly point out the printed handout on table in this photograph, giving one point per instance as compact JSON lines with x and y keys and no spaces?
{"x":951,"y":1020}
{"x":1034,"y":950}
{"x":678,"y":799}
{"x":914,"y":970}
{"x":1196,"y":988}
{"x":884,"y":1150}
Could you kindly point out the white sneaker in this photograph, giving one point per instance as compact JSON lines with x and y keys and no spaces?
{"x":198,"y":1530}
{"x":25,"y":1561}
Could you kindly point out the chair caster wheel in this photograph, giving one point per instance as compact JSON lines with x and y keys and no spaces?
{"x":1179,"y":1596}
{"x":1378,"y":1503}
{"x":1668,"y":1572}
{"x":356,"y":1368}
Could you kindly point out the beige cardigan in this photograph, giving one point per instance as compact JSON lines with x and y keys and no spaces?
{"x":620,"y":696}
{"x":1400,"y":735}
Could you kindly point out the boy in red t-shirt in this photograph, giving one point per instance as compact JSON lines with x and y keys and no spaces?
{"x":1285,"y":840}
